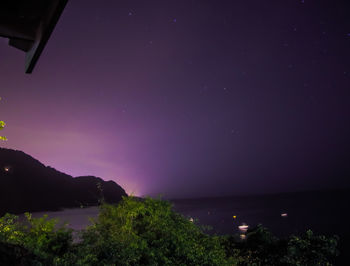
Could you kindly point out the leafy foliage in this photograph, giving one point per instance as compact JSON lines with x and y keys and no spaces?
{"x":2,"y":125}
{"x":147,"y":232}
{"x":310,"y":249}
{"x":262,"y":248}
{"x":40,"y":236}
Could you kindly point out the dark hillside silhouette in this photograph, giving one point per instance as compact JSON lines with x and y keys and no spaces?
{"x":28,"y":185}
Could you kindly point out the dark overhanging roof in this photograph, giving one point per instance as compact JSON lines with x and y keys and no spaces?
{"x":28,"y":25}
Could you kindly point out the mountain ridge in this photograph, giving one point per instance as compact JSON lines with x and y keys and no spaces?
{"x":26,"y":184}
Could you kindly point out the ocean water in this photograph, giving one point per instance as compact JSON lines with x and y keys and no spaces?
{"x":284,"y":214}
{"x":76,"y":219}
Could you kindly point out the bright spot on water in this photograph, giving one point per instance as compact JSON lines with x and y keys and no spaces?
{"x":242,"y":236}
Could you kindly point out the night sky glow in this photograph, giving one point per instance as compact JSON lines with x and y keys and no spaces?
{"x":189,"y":97}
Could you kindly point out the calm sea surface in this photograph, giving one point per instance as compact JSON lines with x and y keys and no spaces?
{"x":323,"y":212}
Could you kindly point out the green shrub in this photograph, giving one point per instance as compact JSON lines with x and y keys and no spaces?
{"x":39,"y":236}
{"x":310,"y":249}
{"x":262,"y":248}
{"x":147,"y":232}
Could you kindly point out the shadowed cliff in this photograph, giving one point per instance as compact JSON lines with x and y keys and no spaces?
{"x":28,"y":185}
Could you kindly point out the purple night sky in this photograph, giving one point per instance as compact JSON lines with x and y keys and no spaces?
{"x":189,"y":97}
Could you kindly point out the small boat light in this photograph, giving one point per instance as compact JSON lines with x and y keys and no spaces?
{"x":243,"y":228}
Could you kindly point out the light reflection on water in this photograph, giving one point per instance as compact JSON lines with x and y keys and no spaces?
{"x":242,"y":236}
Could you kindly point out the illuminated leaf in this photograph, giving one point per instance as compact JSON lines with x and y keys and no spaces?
{"x":2,"y":125}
